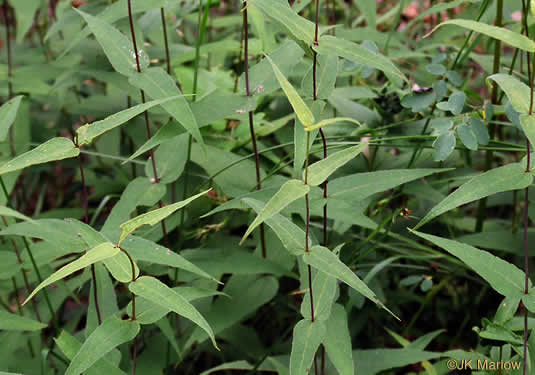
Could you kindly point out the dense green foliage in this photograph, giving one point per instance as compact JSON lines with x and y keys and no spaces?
{"x":299,"y":187}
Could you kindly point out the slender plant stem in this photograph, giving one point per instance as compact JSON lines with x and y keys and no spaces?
{"x":307,"y":245}
{"x":531,"y":76}
{"x":85,"y":199}
{"x":482,"y":207}
{"x":146,"y":114}
{"x":166,"y":41}
{"x":251,"y":119}
{"x":9,"y":72}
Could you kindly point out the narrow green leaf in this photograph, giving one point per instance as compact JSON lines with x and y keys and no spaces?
{"x":118,"y":48}
{"x":8,"y":212}
{"x":70,"y":346}
{"x":330,"y":45}
{"x":324,"y":287}
{"x":304,"y":114}
{"x":110,"y":334}
{"x":13,"y":322}
{"x":280,"y":11}
{"x":101,"y":252}
{"x":159,"y":293}
{"x":87,"y":133}
{"x":25,"y":12}
{"x":517,"y":92}
{"x":331,"y":121}
{"x":326,"y":261}
{"x":502,"y":276}
{"x":321,"y":170}
{"x":289,"y":192}
{"x":8,"y":113}
{"x":509,"y":177}
{"x":512,"y":38}
{"x":307,"y":337}
{"x":155,"y":216}
{"x":120,"y":267}
{"x":159,"y":85}
{"x":54,"y":149}
{"x":528,"y":125}
{"x":337,"y":341}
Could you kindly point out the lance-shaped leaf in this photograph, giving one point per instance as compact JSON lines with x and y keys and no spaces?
{"x":158,"y":85}
{"x":13,"y":322}
{"x":307,"y":337}
{"x":324,"y":288}
{"x":321,"y":170}
{"x":109,"y":335}
{"x":88,"y":132}
{"x":517,"y":92}
{"x":70,"y":346}
{"x":8,"y":212}
{"x":331,"y":121}
{"x":101,"y":252}
{"x":337,"y":341}
{"x":8,"y":113}
{"x":502,"y":276}
{"x":54,"y":149}
{"x":289,"y":192}
{"x":155,"y":216}
{"x":326,"y":261}
{"x":280,"y":11}
{"x":291,"y":236}
{"x":330,"y":45}
{"x":512,"y":38}
{"x":118,"y":48}
{"x":159,"y":293}
{"x":509,"y":177}
{"x":120,"y":267}
{"x":303,"y":113}
{"x":528,"y":125}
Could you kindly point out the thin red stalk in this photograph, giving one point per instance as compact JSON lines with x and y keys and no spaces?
{"x":146,"y":114}
{"x":8,"y":47}
{"x":166,"y":41}
{"x":251,"y":119}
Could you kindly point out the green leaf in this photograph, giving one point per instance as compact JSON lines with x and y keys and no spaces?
{"x":326,"y":261}
{"x":359,"y":186}
{"x":330,"y":45}
{"x":110,"y":334}
{"x":8,"y":113}
{"x":291,"y":236}
{"x":54,"y":149}
{"x":101,"y":252}
{"x":13,"y":322}
{"x":337,"y":341}
{"x":25,"y":12}
{"x":324,"y":287}
{"x":157,"y":292}
{"x":444,"y":145}
{"x":289,"y":192}
{"x":455,"y":103}
{"x":301,"y":28}
{"x":497,"y":180}
{"x":155,"y":216}
{"x":517,"y":92}
{"x":87,"y":133}
{"x":331,"y":121}
{"x":304,"y":114}
{"x":502,"y":276}
{"x":307,"y":337}
{"x":369,"y":11}
{"x":120,"y":267}
{"x":528,"y":125}
{"x":8,"y":212}
{"x":321,"y":170}
{"x":159,"y":85}
{"x":480,"y":130}
{"x":507,"y":36}
{"x":118,"y":48}
{"x":467,"y":136}
{"x":70,"y":346}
